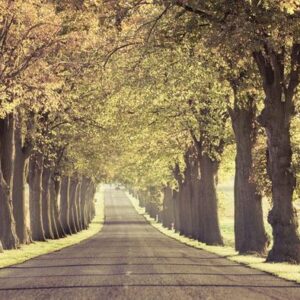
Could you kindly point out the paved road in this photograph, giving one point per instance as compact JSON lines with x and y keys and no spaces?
{"x":130,"y":259}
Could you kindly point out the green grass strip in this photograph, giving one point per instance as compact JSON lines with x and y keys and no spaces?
{"x":26,"y":252}
{"x":283,"y":270}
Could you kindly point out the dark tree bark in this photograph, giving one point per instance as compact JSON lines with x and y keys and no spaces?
{"x":147,"y":203}
{"x":83,"y":202}
{"x":21,"y":165}
{"x":196,"y":198}
{"x":152,"y":206}
{"x":46,"y":204}
{"x":8,"y":234}
{"x":276,"y":118}
{"x":168,"y":207}
{"x":250,"y":234}
{"x":209,"y":200}
{"x":54,"y":195}
{"x":141,"y":199}
{"x":176,"y":210}
{"x":89,"y":206}
{"x":89,"y":202}
{"x":186,"y":199}
{"x":92,"y":209}
{"x":51,"y":195}
{"x":206,"y":150}
{"x":176,"y":198}
{"x":78,"y":204}
{"x":73,"y":209}
{"x":65,"y":204}
{"x":35,"y":196}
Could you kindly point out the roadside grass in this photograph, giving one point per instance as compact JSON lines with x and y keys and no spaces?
{"x":26,"y":252}
{"x":282,"y":270}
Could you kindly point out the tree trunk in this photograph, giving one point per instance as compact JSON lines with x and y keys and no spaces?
{"x":276,"y":118}
{"x":55,"y":194}
{"x":73,"y":209}
{"x":19,"y":184}
{"x":78,"y":204}
{"x":283,"y":216}
{"x":87,"y":198}
{"x":168,"y":209}
{"x":142,"y":199}
{"x":92,"y":209}
{"x":65,"y":204}
{"x":196,"y":199}
{"x":35,"y":197}
{"x":88,"y":202}
{"x":176,"y":197}
{"x":46,"y":204}
{"x":182,"y":219}
{"x":8,"y":234}
{"x":53,"y":203}
{"x":187,"y":228}
{"x":250,"y":234}
{"x":176,"y":211}
{"x":209,"y":201}
{"x":83,"y":202}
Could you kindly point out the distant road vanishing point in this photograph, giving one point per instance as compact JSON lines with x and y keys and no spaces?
{"x":129,"y":259}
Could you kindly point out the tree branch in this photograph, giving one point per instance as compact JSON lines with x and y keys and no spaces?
{"x":197,"y":11}
{"x":116,"y":50}
{"x":295,"y":70}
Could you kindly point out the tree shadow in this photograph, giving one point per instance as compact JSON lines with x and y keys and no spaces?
{"x":150,"y":286}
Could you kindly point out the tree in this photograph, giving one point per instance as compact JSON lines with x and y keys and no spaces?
{"x":17,"y":56}
{"x":266,"y":30}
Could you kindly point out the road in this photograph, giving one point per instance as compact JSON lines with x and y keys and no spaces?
{"x":129,"y":259}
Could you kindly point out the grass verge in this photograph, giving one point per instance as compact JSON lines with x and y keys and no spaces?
{"x":282,"y":270}
{"x":26,"y":252}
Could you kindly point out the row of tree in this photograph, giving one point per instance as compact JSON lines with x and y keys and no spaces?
{"x":195,"y":68}
{"x":150,"y":94}
{"x":47,"y":178}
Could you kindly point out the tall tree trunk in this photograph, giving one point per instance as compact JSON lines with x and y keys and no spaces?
{"x":91,"y":203}
{"x":65,"y":204}
{"x":176,"y":210}
{"x":283,"y":216}
{"x":55,"y":194}
{"x":276,"y":118}
{"x":78,"y":204}
{"x":168,"y":209}
{"x":19,"y":184}
{"x":8,"y":234}
{"x":87,"y":198}
{"x":182,"y":218}
{"x":149,"y":206}
{"x":46,"y":204}
{"x":53,"y":208}
{"x":176,"y":198}
{"x":196,"y":198}
{"x":187,"y":196}
{"x":35,"y":196}
{"x":141,"y":198}
{"x":83,"y":201}
{"x":209,"y":200}
{"x":250,"y":234}
{"x":73,"y":209}
{"x":90,"y":207}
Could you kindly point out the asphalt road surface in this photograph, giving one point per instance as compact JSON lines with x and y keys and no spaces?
{"x":129,"y":259}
